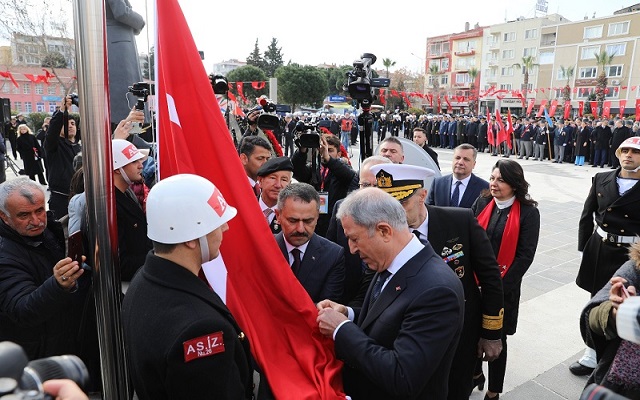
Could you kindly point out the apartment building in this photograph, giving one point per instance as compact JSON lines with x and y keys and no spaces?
{"x":30,"y":50}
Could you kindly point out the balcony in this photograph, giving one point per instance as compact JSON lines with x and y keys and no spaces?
{"x":469,"y":52}
{"x":548,"y":43}
{"x":492,"y":78}
{"x":442,"y":54}
{"x":493,"y":62}
{"x":462,"y":68}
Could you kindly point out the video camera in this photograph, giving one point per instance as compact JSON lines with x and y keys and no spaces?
{"x":309,"y":135}
{"x":268,"y":119}
{"x":219,"y":83}
{"x":23,"y":379}
{"x":141,"y":90}
{"x":360,"y":81}
{"x":75,"y":100}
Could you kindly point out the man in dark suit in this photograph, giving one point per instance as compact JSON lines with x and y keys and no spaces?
{"x":133,"y":244}
{"x":462,"y":187}
{"x":181,"y":339}
{"x":404,"y":337}
{"x":454,"y":234}
{"x":273,"y":176}
{"x":613,"y":202}
{"x":420,"y":138}
{"x":317,"y":262}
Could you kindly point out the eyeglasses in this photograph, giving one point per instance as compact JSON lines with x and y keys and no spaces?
{"x":367,"y":184}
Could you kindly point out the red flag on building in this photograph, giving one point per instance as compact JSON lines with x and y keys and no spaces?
{"x":9,"y":75}
{"x":623,"y":104}
{"x":532,"y":102}
{"x":580,"y":109}
{"x":637,"y":109}
{"x":490,"y":129}
{"x":594,"y":108}
{"x":553,"y":107}
{"x":266,"y":299}
{"x":567,"y":109}
{"x":606,"y":109}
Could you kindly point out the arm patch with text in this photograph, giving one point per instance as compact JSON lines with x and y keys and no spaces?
{"x":203,"y":346}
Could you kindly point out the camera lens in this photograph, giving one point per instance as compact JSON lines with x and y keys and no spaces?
{"x":57,"y":367}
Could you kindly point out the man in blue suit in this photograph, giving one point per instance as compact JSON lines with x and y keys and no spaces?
{"x":447,"y":192}
{"x":401,"y":343}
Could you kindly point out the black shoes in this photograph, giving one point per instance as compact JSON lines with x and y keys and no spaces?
{"x":497,"y":396}
{"x":478,"y":381}
{"x":580,"y":370}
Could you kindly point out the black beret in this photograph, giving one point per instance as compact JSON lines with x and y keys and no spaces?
{"x":274,"y":165}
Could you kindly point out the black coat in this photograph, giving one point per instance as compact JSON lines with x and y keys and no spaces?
{"x":618,"y":136}
{"x":619,"y":215}
{"x":582,"y":141}
{"x":601,"y":137}
{"x":31,"y":153}
{"x":35,"y":312}
{"x":60,"y":153}
{"x":166,"y":308}
{"x":525,"y":251}
{"x":133,"y":243}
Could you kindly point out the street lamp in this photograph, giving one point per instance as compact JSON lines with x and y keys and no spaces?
{"x":422,"y":62}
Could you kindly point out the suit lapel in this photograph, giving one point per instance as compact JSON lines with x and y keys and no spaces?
{"x":310,"y":258}
{"x":610,"y":188}
{"x":283,"y":247}
{"x":467,"y":192}
{"x":447,"y":191}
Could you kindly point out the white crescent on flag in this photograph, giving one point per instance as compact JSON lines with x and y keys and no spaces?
{"x":216,"y":273}
{"x":173,"y":113}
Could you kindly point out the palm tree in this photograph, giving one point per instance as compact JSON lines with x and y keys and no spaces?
{"x":528,"y":65}
{"x":568,"y":73}
{"x":603,"y":59}
{"x":435,"y":71}
{"x":473,"y":74}
{"x":388,"y":64}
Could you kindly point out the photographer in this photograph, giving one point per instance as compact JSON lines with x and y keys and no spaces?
{"x":331,"y":180}
{"x":252,"y":121}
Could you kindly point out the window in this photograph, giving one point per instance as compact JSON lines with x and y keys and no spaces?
{"x":612,"y":92}
{"x":16,"y":89}
{"x":434,"y":62}
{"x":614,"y":71}
{"x":39,"y":88}
{"x":26,"y":88}
{"x":530,"y":51}
{"x":51,"y":89}
{"x":466,"y":46}
{"x":52,"y":107}
{"x":592,"y":32}
{"x":40,"y":107}
{"x":617,"y":49}
{"x":585,"y":92}
{"x":547,"y":57}
{"x":507,"y":71}
{"x":444,"y":79}
{"x":509,"y":37}
{"x":620,"y":28}
{"x":444,"y":64}
{"x":531,"y":34}
{"x":439,"y":48}
{"x":18,"y":106}
{"x":505,"y":86}
{"x":558,"y":93}
{"x":461,"y":79}
{"x":508,"y":54}
{"x":589,"y":52}
{"x":27,"y":107}
{"x":6,"y":88}
{"x":588,"y":72}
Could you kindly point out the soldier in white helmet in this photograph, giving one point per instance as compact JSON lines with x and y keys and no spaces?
{"x":181,"y":339}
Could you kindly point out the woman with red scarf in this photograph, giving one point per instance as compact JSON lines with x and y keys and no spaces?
{"x":512,"y":221}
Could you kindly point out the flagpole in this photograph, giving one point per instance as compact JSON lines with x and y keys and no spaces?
{"x":90,"y":28}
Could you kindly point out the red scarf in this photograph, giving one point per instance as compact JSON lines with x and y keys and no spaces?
{"x":509,"y":242}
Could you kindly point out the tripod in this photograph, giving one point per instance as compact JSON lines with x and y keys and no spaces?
{"x":12,"y":164}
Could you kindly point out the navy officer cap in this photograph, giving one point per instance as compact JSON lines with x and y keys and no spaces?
{"x":275,"y":165}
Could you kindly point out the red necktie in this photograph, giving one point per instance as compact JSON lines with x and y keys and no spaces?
{"x":256,"y":189}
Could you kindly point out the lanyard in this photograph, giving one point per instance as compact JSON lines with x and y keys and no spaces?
{"x":324,"y":171}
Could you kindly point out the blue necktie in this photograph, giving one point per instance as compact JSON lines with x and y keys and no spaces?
{"x":377,"y":287}
{"x":455,"y":196}
{"x":295,"y":267}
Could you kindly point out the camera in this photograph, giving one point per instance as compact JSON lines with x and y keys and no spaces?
{"x":309,"y":136}
{"x":141,"y":90}
{"x":360,"y":82}
{"x":23,"y":379}
{"x":268,"y":119}
{"x":219,"y":83}
{"x":75,"y":100}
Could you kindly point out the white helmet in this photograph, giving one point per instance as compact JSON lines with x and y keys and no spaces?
{"x":124,"y":153}
{"x":206,"y":209}
{"x":631,"y":143}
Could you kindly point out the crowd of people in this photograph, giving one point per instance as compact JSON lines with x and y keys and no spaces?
{"x":417,"y":285}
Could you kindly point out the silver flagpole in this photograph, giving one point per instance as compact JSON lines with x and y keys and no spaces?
{"x":91,"y":52}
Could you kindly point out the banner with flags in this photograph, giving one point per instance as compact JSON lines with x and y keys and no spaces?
{"x":581,"y":109}
{"x":567,"y":109}
{"x":252,"y":276}
{"x":606,"y":109}
{"x":594,"y":108}
{"x":532,"y":102}
{"x":623,"y":104}
{"x":543,"y":104}
{"x":490,"y":129}
{"x":553,"y":107}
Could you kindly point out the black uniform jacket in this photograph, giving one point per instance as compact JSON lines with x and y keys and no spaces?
{"x":615,"y":214}
{"x":133,"y":243}
{"x":182,"y":341}
{"x":525,"y":251}
{"x":322,"y":268}
{"x":403,"y":347}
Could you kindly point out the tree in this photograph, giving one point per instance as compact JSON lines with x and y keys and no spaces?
{"x":54,"y":59}
{"x":528,"y":65}
{"x":568,"y":73}
{"x":473,"y":96}
{"x":388,"y":64}
{"x":248,"y":73}
{"x":298,"y":85}
{"x":272,"y":58}
{"x":255,"y":58}
{"x":603,"y":59}
{"x":336,"y":79}
{"x":148,"y":68}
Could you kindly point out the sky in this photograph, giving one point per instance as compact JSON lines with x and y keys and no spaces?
{"x":338,"y":32}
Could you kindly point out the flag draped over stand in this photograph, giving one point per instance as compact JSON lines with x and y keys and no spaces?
{"x":262,"y":293}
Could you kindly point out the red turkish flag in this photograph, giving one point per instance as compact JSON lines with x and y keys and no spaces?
{"x":543,"y":103}
{"x":567,"y":109}
{"x":509,"y":128}
{"x":258,"y":85}
{"x":9,"y":75}
{"x":383,"y":101}
{"x":532,"y":102}
{"x":594,"y":108}
{"x":502,"y":132}
{"x":406,"y":99}
{"x":394,"y":93}
{"x":239,"y":88}
{"x":446,"y":99}
{"x":439,"y":105}
{"x":553,"y":107}
{"x":637,"y":109}
{"x":490,"y":129}
{"x":623,"y":104}
{"x":606,"y":109}
{"x":580,"y":109}
{"x":264,"y":296}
